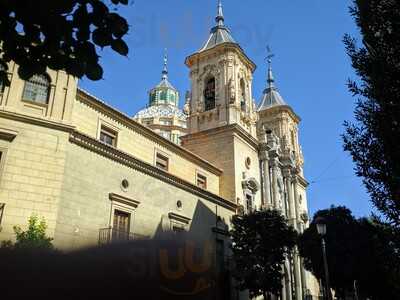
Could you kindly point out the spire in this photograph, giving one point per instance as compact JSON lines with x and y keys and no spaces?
{"x":271,"y":96}
{"x":220,"y":15}
{"x":270,"y":76}
{"x":165,"y":69}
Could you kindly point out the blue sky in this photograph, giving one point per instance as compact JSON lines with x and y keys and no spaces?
{"x":310,"y":67}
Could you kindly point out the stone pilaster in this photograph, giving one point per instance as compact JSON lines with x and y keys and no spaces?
{"x":289,"y":189}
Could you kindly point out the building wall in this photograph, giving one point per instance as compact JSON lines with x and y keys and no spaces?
{"x":228,"y":150}
{"x":88,"y":120}
{"x":62,"y":95}
{"x":243,"y":151}
{"x":85,"y":206}
{"x":32,"y":174}
{"x":219,"y":149}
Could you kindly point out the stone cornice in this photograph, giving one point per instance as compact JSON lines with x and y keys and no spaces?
{"x":179,"y":218}
{"x":123,"y":199}
{"x":128,"y":160}
{"x":239,"y":50}
{"x":280,"y":108}
{"x":36,"y":121}
{"x":235,"y":128}
{"x":302,"y":181}
{"x":113,"y":113}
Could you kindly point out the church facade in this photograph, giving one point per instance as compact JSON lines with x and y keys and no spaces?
{"x":97,"y":175}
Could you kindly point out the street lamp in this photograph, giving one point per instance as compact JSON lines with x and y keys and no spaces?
{"x":321,"y":228}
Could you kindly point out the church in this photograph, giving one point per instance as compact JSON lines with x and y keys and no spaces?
{"x":98,"y":176}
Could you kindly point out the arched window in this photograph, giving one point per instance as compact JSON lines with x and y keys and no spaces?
{"x":209,"y":94}
{"x":242,"y":95}
{"x":37,"y":89}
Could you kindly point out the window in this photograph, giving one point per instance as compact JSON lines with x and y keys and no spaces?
{"x":162,"y":162}
{"x":121,"y":225}
{"x":249,"y":203}
{"x":209,"y":94}
{"x":201,"y":181}
{"x":166,"y":134}
{"x":242,"y":95}
{"x":166,"y":122}
{"x":37,"y":89}
{"x":108,"y":136}
{"x":2,"y":205}
{"x":177,"y":227}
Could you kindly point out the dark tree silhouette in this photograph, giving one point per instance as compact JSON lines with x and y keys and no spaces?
{"x":358,"y":250}
{"x":260,"y":243}
{"x":59,"y":34}
{"x":373,"y":140}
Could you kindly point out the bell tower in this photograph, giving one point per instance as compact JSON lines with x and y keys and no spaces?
{"x":221,"y":83}
{"x":222,"y":115}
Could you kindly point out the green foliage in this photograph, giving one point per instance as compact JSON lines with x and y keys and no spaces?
{"x":373,"y":140}
{"x":364,"y":250}
{"x":61,"y":35}
{"x":260,"y":243}
{"x":34,"y":237}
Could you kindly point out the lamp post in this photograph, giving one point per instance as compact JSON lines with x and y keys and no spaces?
{"x":321,"y":228}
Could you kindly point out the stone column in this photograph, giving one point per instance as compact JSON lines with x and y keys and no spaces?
{"x":274,"y":182}
{"x":296,"y":205}
{"x":267,"y":201}
{"x":297,"y":275}
{"x":288,"y":182}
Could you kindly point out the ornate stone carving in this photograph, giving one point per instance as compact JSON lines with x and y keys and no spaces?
{"x":232,"y":91}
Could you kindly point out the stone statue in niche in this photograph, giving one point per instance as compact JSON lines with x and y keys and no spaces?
{"x":280,"y":194}
{"x":186,"y":107}
{"x":232,"y":92}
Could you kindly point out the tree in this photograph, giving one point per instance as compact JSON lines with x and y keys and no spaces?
{"x":373,"y":139}
{"x":33,"y":238}
{"x":360,"y":251}
{"x":260,"y":243}
{"x":61,"y":35}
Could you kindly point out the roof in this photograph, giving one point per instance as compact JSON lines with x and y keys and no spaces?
{"x":164,"y":83}
{"x":218,"y":35}
{"x":164,"y":110}
{"x":99,"y":104}
{"x":271,"y":96}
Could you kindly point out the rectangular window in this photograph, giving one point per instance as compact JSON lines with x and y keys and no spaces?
{"x":166,"y":122}
{"x":177,"y":227}
{"x":249,"y":203}
{"x":201,"y":181}
{"x":121,"y":225}
{"x":166,"y":134}
{"x":162,"y":162}
{"x":108,"y":136}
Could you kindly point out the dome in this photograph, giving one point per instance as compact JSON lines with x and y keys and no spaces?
{"x":161,"y":111}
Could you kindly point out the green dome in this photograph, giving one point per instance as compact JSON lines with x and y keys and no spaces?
{"x":164,"y":92}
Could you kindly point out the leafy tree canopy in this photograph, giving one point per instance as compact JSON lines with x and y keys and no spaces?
{"x":59,"y":34}
{"x":34,"y":237}
{"x":260,"y":243}
{"x":361,"y":250}
{"x":373,"y":140}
